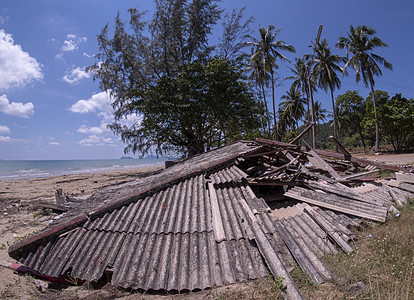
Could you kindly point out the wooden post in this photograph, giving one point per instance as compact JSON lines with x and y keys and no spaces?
{"x":302,"y":133}
{"x":341,"y":148}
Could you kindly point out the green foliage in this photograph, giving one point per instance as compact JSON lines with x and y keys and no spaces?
{"x":268,"y":51}
{"x":187,"y":100}
{"x":397,"y":121}
{"x":205,"y":105}
{"x":350,"y":108}
{"x":360,"y":43}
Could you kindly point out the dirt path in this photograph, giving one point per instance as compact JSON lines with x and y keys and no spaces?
{"x":392,"y":159}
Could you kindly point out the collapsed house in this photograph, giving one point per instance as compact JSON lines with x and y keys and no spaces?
{"x":237,"y":213}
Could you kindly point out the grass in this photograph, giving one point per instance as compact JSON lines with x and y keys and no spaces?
{"x":382,"y":265}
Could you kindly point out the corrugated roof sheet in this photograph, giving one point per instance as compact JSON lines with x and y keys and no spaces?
{"x":165,"y":241}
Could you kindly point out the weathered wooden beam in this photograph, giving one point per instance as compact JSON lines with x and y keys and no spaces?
{"x":341,"y":148}
{"x":357,"y":175}
{"x":302,"y":133}
{"x":338,"y":189}
{"x":274,"y":183}
{"x":277,"y":143}
{"x":319,"y":162}
{"x":361,"y":161}
{"x":54,"y":207}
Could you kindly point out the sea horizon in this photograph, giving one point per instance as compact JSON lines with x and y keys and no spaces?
{"x":30,"y":169}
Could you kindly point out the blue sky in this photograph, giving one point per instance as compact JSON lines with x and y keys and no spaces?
{"x":50,"y":108}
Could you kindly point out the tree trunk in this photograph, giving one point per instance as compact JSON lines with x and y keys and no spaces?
{"x":313,"y":115}
{"x":334,"y":118}
{"x":274,"y":105}
{"x":376,"y":149}
{"x":267,"y":111}
{"x":362,"y":137}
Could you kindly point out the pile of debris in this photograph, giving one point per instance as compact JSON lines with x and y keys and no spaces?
{"x":229,"y":215}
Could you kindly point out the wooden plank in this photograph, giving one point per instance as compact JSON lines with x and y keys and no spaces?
{"x":302,"y":133}
{"x":357,"y":175}
{"x":55,"y":207}
{"x":322,"y":164}
{"x":334,"y":207}
{"x":341,"y":148}
{"x":216,"y":214}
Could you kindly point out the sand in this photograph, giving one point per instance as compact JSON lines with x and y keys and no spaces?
{"x":19,"y":218}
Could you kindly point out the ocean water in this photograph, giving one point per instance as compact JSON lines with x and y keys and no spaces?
{"x":25,"y":169}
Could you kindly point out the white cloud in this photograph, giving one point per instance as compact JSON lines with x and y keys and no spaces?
{"x":54,"y":143}
{"x":95,"y":140}
{"x":17,"y":109}
{"x":5,"y":139}
{"x":98,"y":102}
{"x":3,"y":19}
{"x":4,"y":129}
{"x":76,"y":75}
{"x":16,"y":66}
{"x":93,"y":130}
{"x":88,"y":55}
{"x":72,"y":43}
{"x":69,"y":46}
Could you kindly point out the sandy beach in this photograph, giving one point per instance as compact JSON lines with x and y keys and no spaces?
{"x":19,"y":217}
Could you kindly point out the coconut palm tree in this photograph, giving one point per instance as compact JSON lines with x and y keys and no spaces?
{"x":293,"y":106}
{"x":300,"y":80}
{"x":325,"y":68}
{"x":261,"y":78}
{"x":359,"y":44}
{"x":321,"y":114}
{"x":269,"y":51}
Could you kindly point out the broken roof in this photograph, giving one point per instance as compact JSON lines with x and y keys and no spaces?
{"x":236,"y":213}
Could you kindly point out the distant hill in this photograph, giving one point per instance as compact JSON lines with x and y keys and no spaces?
{"x":126,"y":157}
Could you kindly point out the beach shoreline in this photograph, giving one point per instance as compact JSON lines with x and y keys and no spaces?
{"x":20,"y":217}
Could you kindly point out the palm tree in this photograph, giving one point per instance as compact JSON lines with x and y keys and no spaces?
{"x":300,"y":80}
{"x":359,"y":44}
{"x":324,"y":71}
{"x":261,"y":78}
{"x":293,"y":106}
{"x":268,"y":49}
{"x":321,"y":114}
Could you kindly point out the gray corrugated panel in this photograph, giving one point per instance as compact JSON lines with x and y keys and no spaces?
{"x":34,"y":259}
{"x":322,"y":235}
{"x":180,"y":208}
{"x":57,"y":260}
{"x":358,"y":206}
{"x":185,"y":262}
{"x":228,"y":175}
{"x":324,"y":245}
{"x":293,"y":225}
{"x":310,"y":250}
{"x":231,"y":222}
